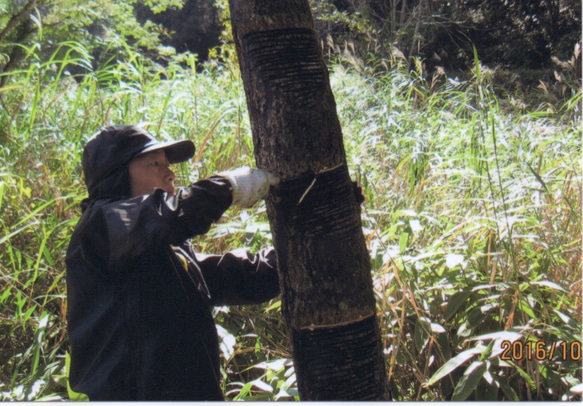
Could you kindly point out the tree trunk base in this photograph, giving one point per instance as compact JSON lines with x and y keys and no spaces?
{"x":340,"y":363}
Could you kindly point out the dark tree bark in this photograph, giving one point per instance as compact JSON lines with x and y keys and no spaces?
{"x":327,"y":295}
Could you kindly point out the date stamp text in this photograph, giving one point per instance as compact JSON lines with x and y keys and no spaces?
{"x":540,"y":350}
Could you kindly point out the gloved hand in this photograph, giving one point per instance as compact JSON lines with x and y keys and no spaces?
{"x":249,"y":185}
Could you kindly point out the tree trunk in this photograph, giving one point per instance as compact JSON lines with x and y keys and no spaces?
{"x":327,"y":295}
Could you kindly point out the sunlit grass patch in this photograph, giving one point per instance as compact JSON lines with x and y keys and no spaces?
{"x":472,"y":219}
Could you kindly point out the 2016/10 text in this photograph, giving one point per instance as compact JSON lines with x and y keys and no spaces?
{"x":539,"y":350}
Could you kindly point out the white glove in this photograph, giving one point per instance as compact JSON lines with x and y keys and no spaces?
{"x":249,"y":185}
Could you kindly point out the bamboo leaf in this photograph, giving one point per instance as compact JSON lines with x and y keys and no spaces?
{"x":499,"y":335}
{"x":526,"y":376}
{"x":469,"y":381}
{"x":455,"y":302}
{"x":258,"y":383}
{"x":453,"y":260}
{"x":538,"y":178}
{"x":549,"y":284}
{"x":275,"y":306}
{"x":508,"y":391}
{"x":403,"y":240}
{"x":73,"y":396}
{"x":452,"y":364}
{"x":437,"y":328}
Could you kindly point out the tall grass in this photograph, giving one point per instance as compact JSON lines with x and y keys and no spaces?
{"x":474,"y":226}
{"x":472,"y":217}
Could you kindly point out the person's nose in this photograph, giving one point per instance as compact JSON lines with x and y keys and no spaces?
{"x":170,"y":176}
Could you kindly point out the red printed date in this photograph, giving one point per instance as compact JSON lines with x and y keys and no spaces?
{"x":540,"y":350}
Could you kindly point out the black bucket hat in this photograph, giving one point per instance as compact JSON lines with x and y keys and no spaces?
{"x":113,"y":147}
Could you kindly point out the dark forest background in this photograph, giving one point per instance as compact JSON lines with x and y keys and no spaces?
{"x":518,"y":35}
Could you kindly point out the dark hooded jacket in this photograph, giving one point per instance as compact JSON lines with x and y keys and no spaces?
{"x":139,"y":297}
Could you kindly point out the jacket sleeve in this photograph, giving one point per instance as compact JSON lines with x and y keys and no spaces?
{"x":137,"y":225}
{"x":239,"y":277}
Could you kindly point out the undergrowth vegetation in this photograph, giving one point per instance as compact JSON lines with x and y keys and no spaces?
{"x":472,"y":218}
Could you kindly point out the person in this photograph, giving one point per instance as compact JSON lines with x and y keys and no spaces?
{"x":139,"y":298}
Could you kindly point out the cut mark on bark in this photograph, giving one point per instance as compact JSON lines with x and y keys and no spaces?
{"x":326,"y":208}
{"x":313,"y":327}
{"x":340,"y":363}
{"x":288,"y":61}
{"x":324,"y":170}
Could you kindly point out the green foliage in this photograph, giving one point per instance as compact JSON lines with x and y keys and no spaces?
{"x":101,"y":27}
{"x":474,"y":235}
{"x":472,"y":218}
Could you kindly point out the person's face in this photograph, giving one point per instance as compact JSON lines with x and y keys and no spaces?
{"x":150,"y":171}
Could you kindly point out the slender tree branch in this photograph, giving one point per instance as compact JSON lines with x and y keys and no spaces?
{"x":16,"y":19}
